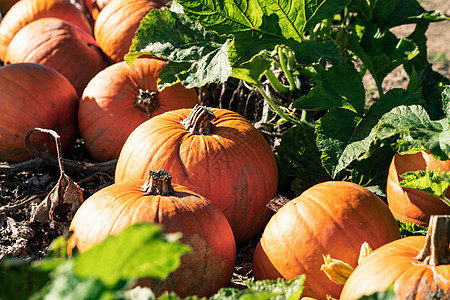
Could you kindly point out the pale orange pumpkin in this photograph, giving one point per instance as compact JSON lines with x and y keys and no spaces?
{"x":117,"y":23}
{"x":216,"y":153}
{"x":334,"y":218}
{"x":417,"y":266}
{"x":412,"y":205}
{"x":26,"y":11}
{"x":120,"y":98}
{"x":60,"y":45}
{"x":203,"y":271}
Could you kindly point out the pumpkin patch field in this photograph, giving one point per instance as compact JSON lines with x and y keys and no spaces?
{"x":212,"y":149}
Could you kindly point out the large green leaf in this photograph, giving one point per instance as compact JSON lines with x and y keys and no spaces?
{"x":380,"y":52}
{"x":430,"y":182}
{"x":339,"y":87}
{"x":139,"y":251}
{"x":416,"y":131}
{"x":261,"y":25}
{"x":299,"y":159}
{"x":196,"y":56}
{"x":344,"y":136}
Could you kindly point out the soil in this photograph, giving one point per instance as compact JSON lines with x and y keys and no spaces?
{"x":24,"y":186}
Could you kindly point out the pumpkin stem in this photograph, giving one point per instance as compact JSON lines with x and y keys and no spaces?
{"x":159,"y":183}
{"x":146,"y":101}
{"x":199,"y":120}
{"x":436,"y":250}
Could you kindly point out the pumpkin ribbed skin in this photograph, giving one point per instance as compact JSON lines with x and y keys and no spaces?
{"x":33,"y":95}
{"x":233,"y":166}
{"x":397,"y":262}
{"x":61,"y":46}
{"x":412,"y":205}
{"x":204,"y":228}
{"x":107,"y":113}
{"x":26,"y":11}
{"x":335,"y":218}
{"x":117,"y":23}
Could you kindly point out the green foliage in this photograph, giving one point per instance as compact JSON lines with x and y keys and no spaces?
{"x":331,"y":44}
{"x":141,"y":251}
{"x":109,"y":270}
{"x":409,"y":229}
{"x":430,"y":182}
{"x":103,"y":272}
{"x":416,"y":131}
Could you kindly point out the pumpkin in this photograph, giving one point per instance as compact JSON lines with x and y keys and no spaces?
{"x":330,"y":218}
{"x":26,"y":11}
{"x":417,"y":266}
{"x":33,"y":95}
{"x":61,"y":45}
{"x":203,"y":271}
{"x":216,"y":153}
{"x":120,"y":98}
{"x":412,"y":205}
{"x":117,"y":23}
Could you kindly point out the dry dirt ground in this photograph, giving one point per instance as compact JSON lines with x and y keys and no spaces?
{"x":33,"y":184}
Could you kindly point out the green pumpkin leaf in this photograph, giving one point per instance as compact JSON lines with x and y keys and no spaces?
{"x":261,"y":25}
{"x":196,"y":56}
{"x":416,"y":131}
{"x":139,"y":251}
{"x":344,"y":135}
{"x":430,"y":182}
{"x":380,"y":52}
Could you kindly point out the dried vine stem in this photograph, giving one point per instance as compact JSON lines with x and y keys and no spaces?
{"x":48,"y":159}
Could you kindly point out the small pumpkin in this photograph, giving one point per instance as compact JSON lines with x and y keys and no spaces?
{"x":331,"y":218}
{"x":203,"y":271}
{"x":120,"y":98}
{"x":412,"y":205}
{"x":117,"y":23}
{"x":33,"y":95}
{"x":417,"y":266}
{"x":61,"y":45}
{"x":216,"y":153}
{"x":26,"y":11}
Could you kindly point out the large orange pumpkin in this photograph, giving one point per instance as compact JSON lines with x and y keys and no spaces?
{"x":412,"y":205}
{"x":119,"y":99}
{"x":60,"y":45}
{"x":335,"y":218}
{"x":203,"y":271}
{"x":117,"y":23}
{"x":33,"y":95}
{"x":418,"y":266}
{"x":216,"y":153}
{"x":26,"y":11}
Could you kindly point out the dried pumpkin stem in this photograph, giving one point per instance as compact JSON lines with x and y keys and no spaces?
{"x":146,"y":101}
{"x":159,"y":183}
{"x":199,"y":120}
{"x":57,"y":140}
{"x":436,"y":250}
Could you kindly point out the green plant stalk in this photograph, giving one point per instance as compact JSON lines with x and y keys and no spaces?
{"x":284,"y":60}
{"x":276,"y":108}
{"x":276,"y":84}
{"x":445,"y":199}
